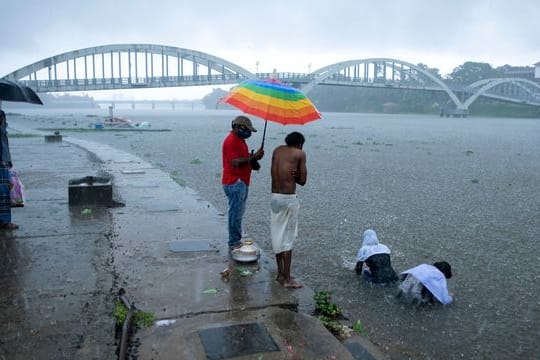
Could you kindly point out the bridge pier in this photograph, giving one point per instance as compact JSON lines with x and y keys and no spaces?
{"x":460,"y":112}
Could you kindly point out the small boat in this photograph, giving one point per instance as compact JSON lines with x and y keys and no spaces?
{"x":118,"y":122}
{"x":121,"y":123}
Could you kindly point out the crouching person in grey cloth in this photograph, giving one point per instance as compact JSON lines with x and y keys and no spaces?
{"x":288,"y":169}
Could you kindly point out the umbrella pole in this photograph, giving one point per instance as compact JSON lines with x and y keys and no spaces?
{"x":264,"y":133}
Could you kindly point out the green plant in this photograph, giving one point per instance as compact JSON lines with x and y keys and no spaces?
{"x":359,"y":328}
{"x":140,"y":318}
{"x":196,"y":162}
{"x":329,"y":314}
{"x":120,"y":312}
{"x":324,"y":307}
{"x":143,"y":319}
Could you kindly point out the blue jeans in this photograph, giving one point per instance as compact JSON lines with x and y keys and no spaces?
{"x":237,"y":194}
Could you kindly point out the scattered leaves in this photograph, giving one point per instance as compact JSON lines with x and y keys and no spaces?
{"x":210,"y":291}
{"x":244,"y":271}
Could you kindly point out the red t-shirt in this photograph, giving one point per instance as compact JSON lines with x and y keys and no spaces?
{"x":234,"y":148}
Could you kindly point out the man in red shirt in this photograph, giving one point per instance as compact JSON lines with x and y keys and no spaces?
{"x":237,"y":166}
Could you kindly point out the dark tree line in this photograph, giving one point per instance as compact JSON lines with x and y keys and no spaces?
{"x":382,"y":100}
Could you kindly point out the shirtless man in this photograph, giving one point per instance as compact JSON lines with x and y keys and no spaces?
{"x":288,"y":169}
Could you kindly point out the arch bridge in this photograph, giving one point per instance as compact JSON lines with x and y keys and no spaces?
{"x":130,"y":66}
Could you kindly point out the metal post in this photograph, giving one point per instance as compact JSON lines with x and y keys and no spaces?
{"x":120,"y":67}
{"x":136,"y":65}
{"x":129,"y":66}
{"x":146,"y":65}
{"x":182,"y":66}
{"x":162,"y":66}
{"x":178,"y":66}
{"x":103,"y":66}
{"x":112,"y":69}
{"x":167,"y":65}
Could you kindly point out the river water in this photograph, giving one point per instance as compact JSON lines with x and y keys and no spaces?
{"x":462,"y":190}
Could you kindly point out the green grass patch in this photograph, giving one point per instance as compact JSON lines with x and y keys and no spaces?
{"x":330,"y":315}
{"x":22,"y":135}
{"x":140,"y":319}
{"x":359,"y":328}
{"x":195,"y":162}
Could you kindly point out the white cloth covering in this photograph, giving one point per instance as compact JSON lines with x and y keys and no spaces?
{"x":370,"y":246}
{"x":433,"y":279}
{"x":284,"y":221}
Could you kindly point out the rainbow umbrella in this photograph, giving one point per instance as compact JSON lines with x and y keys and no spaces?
{"x":272,"y":100}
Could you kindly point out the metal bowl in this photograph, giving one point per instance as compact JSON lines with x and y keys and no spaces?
{"x":248,"y":252}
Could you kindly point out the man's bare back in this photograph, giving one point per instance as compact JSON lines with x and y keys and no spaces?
{"x":288,"y":169}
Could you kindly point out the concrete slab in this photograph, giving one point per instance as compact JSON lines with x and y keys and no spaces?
{"x":133,"y":171}
{"x":229,"y":341}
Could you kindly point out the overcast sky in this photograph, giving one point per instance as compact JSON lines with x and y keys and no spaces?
{"x":289,"y":35}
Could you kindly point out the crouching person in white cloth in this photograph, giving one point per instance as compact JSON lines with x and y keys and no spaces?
{"x":288,"y":169}
{"x":426,"y":284}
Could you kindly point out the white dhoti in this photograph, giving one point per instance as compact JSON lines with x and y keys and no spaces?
{"x":284,"y":221}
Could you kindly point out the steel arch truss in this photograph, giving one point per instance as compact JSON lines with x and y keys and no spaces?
{"x":507,"y":89}
{"x":380,"y":72}
{"x":127,"y":66}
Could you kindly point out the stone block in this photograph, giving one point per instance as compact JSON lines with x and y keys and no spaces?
{"x":53,"y":138}
{"x":90,"y":190}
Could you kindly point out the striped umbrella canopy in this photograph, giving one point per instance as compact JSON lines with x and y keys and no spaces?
{"x":272,"y":100}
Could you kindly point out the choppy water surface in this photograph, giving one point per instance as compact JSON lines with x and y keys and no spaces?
{"x":462,"y":190}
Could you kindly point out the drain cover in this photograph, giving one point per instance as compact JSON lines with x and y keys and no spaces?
{"x":236,"y":340}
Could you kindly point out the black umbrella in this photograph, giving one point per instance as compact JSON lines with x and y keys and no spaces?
{"x":12,"y":91}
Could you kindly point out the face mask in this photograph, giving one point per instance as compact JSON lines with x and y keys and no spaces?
{"x":244,"y":133}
